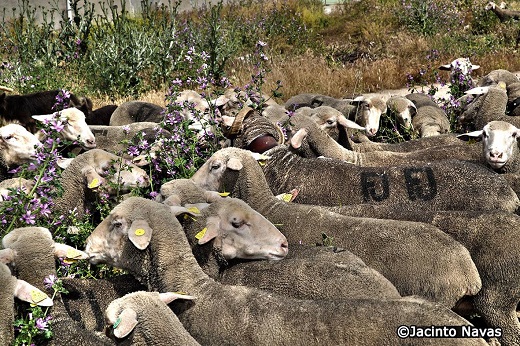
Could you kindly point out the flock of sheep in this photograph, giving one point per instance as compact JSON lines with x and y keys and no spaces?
{"x":422,"y":234}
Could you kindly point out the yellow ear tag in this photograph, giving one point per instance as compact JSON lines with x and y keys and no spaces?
{"x":287,"y":197}
{"x":183,"y":293}
{"x":37,"y":296}
{"x":73,"y":253}
{"x":194,"y":210}
{"x":261,"y":162}
{"x":224,"y":194}
{"x":139,"y":232}
{"x":94,"y":183}
{"x":199,"y":235}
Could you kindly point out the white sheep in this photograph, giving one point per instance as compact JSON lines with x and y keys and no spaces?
{"x":402,"y":109}
{"x":88,"y":171}
{"x":75,"y":127}
{"x":236,"y":171}
{"x":17,"y":146}
{"x":430,"y":121}
{"x":144,"y":318}
{"x":33,"y":253}
{"x":143,"y":237}
{"x":10,"y":288}
{"x":499,"y":146}
{"x":459,"y":66}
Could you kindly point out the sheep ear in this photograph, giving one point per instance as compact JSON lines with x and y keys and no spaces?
{"x":28,"y":293}
{"x":209,"y":232}
{"x":477,"y":91}
{"x":94,"y":180}
{"x":446,"y":67}
{"x":168,"y":297}
{"x":64,"y":163}
{"x":140,"y":234}
{"x":7,"y":255}
{"x":220,"y":101}
{"x":173,"y":200}
{"x":227,"y":120}
{"x":212,"y":196}
{"x":234,"y":164}
{"x":349,"y":124}
{"x":68,"y":252}
{"x":297,"y":139}
{"x":127,"y":321}
{"x":44,"y":117}
{"x":475,"y":67}
{"x":475,"y":135}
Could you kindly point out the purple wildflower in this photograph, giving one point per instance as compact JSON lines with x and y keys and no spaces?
{"x":49,"y":281}
{"x":42,"y":323}
{"x":28,"y":218}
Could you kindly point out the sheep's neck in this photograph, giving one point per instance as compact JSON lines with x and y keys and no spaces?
{"x":169,"y":264}
{"x":251,"y":186}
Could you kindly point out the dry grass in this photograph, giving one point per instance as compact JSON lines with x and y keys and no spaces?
{"x":363,"y":50}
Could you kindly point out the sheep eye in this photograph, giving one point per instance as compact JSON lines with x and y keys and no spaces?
{"x":236,"y":223}
{"x":215,"y":166}
{"x":6,"y":138}
{"x":330,"y":122}
{"x":117,"y":224}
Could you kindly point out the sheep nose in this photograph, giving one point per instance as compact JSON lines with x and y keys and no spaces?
{"x":285,"y":247}
{"x":495,"y":155}
{"x":371,"y":132}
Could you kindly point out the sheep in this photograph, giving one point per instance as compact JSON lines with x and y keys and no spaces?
{"x":499,"y":146}
{"x":310,"y":141}
{"x":496,"y":76}
{"x":161,"y":258}
{"x":489,"y":106}
{"x":460,"y":66}
{"x":144,"y":318}
{"x":11,"y":287}
{"x":117,"y":139}
{"x":187,"y":192}
{"x":402,"y":109}
{"x":322,"y":274}
{"x":137,"y":111}
{"x":335,"y":275}
{"x":17,"y":146}
{"x":488,"y":236}
{"x":237,"y":172}
{"x":260,"y":133}
{"x":87,"y":299}
{"x":20,"y":108}
{"x":34,"y":251}
{"x":365,"y":111}
{"x":86,"y":172}
{"x":502,"y":12}
{"x":252,"y":131}
{"x":75,"y":127}
{"x":101,"y":116}
{"x":430,"y":121}
{"x":421,"y":100}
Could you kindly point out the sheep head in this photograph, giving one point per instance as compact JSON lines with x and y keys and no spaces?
{"x":75,"y":126}
{"x":125,"y":313}
{"x":17,"y":144}
{"x":241,"y":232}
{"x":499,"y":142}
{"x":101,"y":165}
{"x":369,"y":111}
